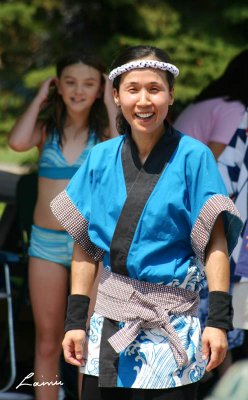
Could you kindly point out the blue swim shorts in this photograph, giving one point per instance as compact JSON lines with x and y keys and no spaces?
{"x":51,"y":245}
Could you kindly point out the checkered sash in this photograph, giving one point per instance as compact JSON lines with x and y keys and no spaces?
{"x":143,"y":305}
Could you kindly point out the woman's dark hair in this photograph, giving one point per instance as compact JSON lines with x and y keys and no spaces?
{"x":54,"y":112}
{"x":137,"y":53}
{"x":232,"y":84}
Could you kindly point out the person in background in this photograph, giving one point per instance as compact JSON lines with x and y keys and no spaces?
{"x":240,"y":290}
{"x":233,"y":385}
{"x":155,"y":211}
{"x":219,"y":118}
{"x":66,"y":118}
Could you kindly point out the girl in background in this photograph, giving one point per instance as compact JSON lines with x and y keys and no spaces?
{"x":75,"y":120}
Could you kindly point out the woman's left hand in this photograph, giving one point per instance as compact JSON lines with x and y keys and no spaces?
{"x":214,"y":346}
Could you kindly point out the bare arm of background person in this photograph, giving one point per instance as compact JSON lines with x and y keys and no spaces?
{"x":27,"y":132}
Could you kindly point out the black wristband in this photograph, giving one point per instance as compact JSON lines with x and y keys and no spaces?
{"x":77,"y":312}
{"x":220,"y":314}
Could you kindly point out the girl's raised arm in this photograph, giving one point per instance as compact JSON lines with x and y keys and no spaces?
{"x":111,"y":107}
{"x":27,"y":131}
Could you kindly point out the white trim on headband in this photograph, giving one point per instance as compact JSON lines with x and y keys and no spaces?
{"x":143,"y":64}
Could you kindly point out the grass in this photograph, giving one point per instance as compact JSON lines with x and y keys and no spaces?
{"x":8,"y":156}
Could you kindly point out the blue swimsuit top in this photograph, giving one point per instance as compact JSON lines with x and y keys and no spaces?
{"x":52,"y":163}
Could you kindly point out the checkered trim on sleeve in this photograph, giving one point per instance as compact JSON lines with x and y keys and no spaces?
{"x":204,"y":224}
{"x":75,"y":224}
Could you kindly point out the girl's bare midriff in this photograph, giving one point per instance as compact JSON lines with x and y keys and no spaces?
{"x":47,"y":190}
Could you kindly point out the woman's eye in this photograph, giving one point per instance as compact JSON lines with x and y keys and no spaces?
{"x":154,"y":90}
{"x":132,"y":90}
{"x":69,"y":82}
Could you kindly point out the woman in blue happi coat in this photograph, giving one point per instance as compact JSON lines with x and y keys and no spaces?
{"x":152,"y":205}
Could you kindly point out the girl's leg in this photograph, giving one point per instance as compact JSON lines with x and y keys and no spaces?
{"x":48,"y":284}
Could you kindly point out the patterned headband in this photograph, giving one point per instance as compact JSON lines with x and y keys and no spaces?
{"x":143,"y":64}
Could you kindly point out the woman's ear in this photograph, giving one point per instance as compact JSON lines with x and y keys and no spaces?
{"x":116,"y":97}
{"x":171,"y":96}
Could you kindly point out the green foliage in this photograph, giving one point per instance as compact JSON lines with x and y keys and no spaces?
{"x":2,"y":207}
{"x":161,"y":20}
{"x":237,"y":15}
{"x":201,"y":38}
{"x":18,"y":13}
{"x":8,"y":156}
{"x":34,"y":78}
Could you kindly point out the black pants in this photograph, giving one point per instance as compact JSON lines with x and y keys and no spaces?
{"x":91,"y":391}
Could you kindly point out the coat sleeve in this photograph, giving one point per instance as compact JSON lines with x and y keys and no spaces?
{"x":208,"y":199}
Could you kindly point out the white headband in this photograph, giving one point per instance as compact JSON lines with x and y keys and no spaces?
{"x":143,"y":64}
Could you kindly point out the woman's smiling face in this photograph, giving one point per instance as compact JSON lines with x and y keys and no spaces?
{"x":144,"y":97}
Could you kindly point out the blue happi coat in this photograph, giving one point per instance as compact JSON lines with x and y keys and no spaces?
{"x":167,"y":246}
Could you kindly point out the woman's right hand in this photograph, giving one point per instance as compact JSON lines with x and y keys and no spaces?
{"x":73,"y":344}
{"x":43,"y":92}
